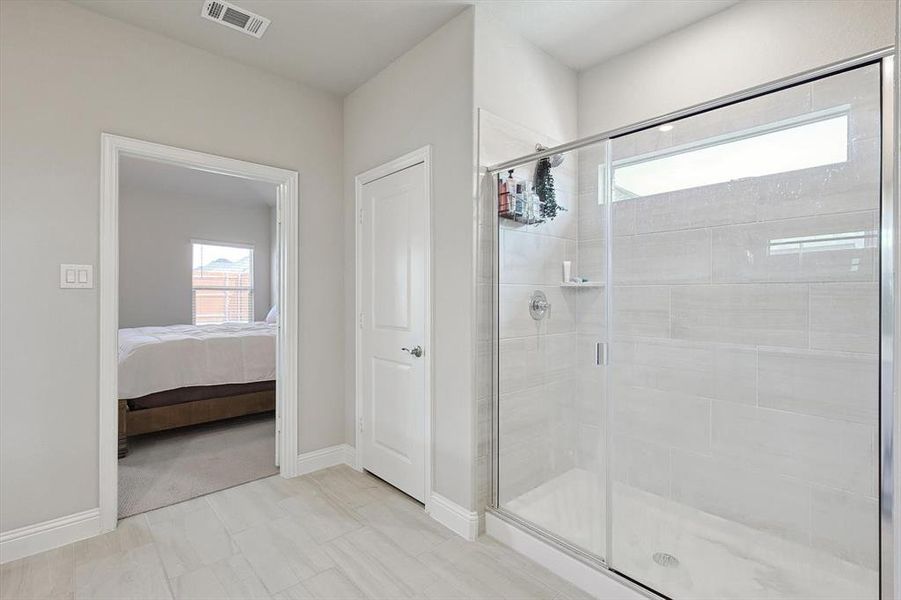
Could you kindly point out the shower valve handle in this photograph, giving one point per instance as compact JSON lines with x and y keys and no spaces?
{"x":539,"y":307}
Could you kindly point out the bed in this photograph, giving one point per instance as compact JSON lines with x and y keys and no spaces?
{"x":181,"y":375}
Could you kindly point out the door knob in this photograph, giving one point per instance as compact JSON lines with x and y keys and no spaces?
{"x":415,"y":351}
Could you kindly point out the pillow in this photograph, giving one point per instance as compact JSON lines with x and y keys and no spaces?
{"x":272,"y":317}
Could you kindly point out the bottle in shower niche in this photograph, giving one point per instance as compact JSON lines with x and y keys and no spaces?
{"x":506,"y":191}
{"x":534,"y":209}
{"x":526,"y":202}
{"x":519,"y":201}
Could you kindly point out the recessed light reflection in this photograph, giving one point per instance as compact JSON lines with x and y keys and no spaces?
{"x":664,"y":128}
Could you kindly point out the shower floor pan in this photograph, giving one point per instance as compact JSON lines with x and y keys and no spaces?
{"x":715,"y":558}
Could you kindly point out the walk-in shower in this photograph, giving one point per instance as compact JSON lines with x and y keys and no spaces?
{"x":695,"y":404}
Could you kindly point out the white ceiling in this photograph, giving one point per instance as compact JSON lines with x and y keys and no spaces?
{"x":583,"y":33}
{"x":336,"y":45}
{"x":182,"y":182}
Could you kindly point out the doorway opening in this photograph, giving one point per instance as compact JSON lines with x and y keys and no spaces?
{"x":198,"y":349}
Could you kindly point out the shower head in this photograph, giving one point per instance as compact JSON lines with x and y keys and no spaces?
{"x":555,"y":159}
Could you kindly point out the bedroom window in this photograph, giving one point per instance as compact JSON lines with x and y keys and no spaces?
{"x":222,"y":282}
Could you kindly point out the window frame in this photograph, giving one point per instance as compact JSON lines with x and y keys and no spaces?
{"x":251,"y":288}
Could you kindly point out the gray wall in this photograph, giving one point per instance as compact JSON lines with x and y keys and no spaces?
{"x":155,"y":253}
{"x":68,"y":75}
{"x":519,"y":82}
{"x":425,"y":97}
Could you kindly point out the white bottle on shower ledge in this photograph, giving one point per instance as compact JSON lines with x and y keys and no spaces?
{"x":567,"y":270}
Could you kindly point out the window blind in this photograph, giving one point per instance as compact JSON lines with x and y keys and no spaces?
{"x":222,"y":283}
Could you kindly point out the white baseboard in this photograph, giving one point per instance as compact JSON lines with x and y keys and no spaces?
{"x":464,"y":523}
{"x":54,"y":533}
{"x":308,"y":462}
{"x":594,"y":581}
{"x":48,"y":535}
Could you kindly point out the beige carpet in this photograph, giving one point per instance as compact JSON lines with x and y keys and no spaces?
{"x":173,"y":466}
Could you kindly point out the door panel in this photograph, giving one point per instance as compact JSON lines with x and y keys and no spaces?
{"x":393,"y":391}
{"x":392,"y":254}
{"x":393,"y":244}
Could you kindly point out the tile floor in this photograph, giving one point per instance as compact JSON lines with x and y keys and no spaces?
{"x":332,"y":534}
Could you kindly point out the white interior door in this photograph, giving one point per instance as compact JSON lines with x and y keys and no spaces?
{"x":394,"y":224}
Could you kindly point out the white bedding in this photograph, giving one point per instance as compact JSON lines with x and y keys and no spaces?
{"x":154,"y":359}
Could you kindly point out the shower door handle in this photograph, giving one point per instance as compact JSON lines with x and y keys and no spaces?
{"x":602,"y":354}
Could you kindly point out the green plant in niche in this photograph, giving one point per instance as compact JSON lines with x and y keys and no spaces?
{"x":544,"y":187}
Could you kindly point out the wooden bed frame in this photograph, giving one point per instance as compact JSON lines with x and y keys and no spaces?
{"x":149,"y":420}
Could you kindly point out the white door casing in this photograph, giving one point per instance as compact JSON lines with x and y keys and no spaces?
{"x":393,"y":400}
{"x":288,"y":215}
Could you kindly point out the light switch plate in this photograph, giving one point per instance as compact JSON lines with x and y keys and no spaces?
{"x":76,"y":276}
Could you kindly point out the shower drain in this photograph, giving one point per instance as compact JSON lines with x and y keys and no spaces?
{"x":666,"y":560}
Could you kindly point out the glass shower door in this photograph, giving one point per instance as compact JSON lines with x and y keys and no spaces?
{"x":551,"y":445}
{"x":743,"y":392}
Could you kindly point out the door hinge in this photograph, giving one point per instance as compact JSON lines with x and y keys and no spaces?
{"x":360,"y":423}
{"x":361,"y":216}
{"x":362,"y":320}
{"x":278,"y":424}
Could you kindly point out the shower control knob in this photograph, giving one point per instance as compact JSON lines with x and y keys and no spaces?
{"x":539,"y":307}
{"x":415,"y":351}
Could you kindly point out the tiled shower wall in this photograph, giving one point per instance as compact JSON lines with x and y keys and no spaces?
{"x":551,"y":390}
{"x":744,"y":356}
{"x":537,"y":364}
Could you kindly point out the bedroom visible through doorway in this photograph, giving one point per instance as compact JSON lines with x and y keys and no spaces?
{"x":197,"y":339}
{"x":198,"y":291}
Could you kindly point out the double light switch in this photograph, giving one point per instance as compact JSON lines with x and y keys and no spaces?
{"x":76,"y":276}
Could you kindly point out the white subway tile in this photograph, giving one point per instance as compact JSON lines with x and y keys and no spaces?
{"x":841,"y":247}
{"x":838,"y":454}
{"x":729,"y":490}
{"x":658,"y":258}
{"x":642,"y":311}
{"x":764,"y":314}
{"x":839,"y":386}
{"x":845,"y":316}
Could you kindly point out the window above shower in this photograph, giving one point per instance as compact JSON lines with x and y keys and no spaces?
{"x":812,"y":140}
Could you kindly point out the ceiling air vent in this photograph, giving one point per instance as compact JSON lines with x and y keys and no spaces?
{"x":230,"y":15}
